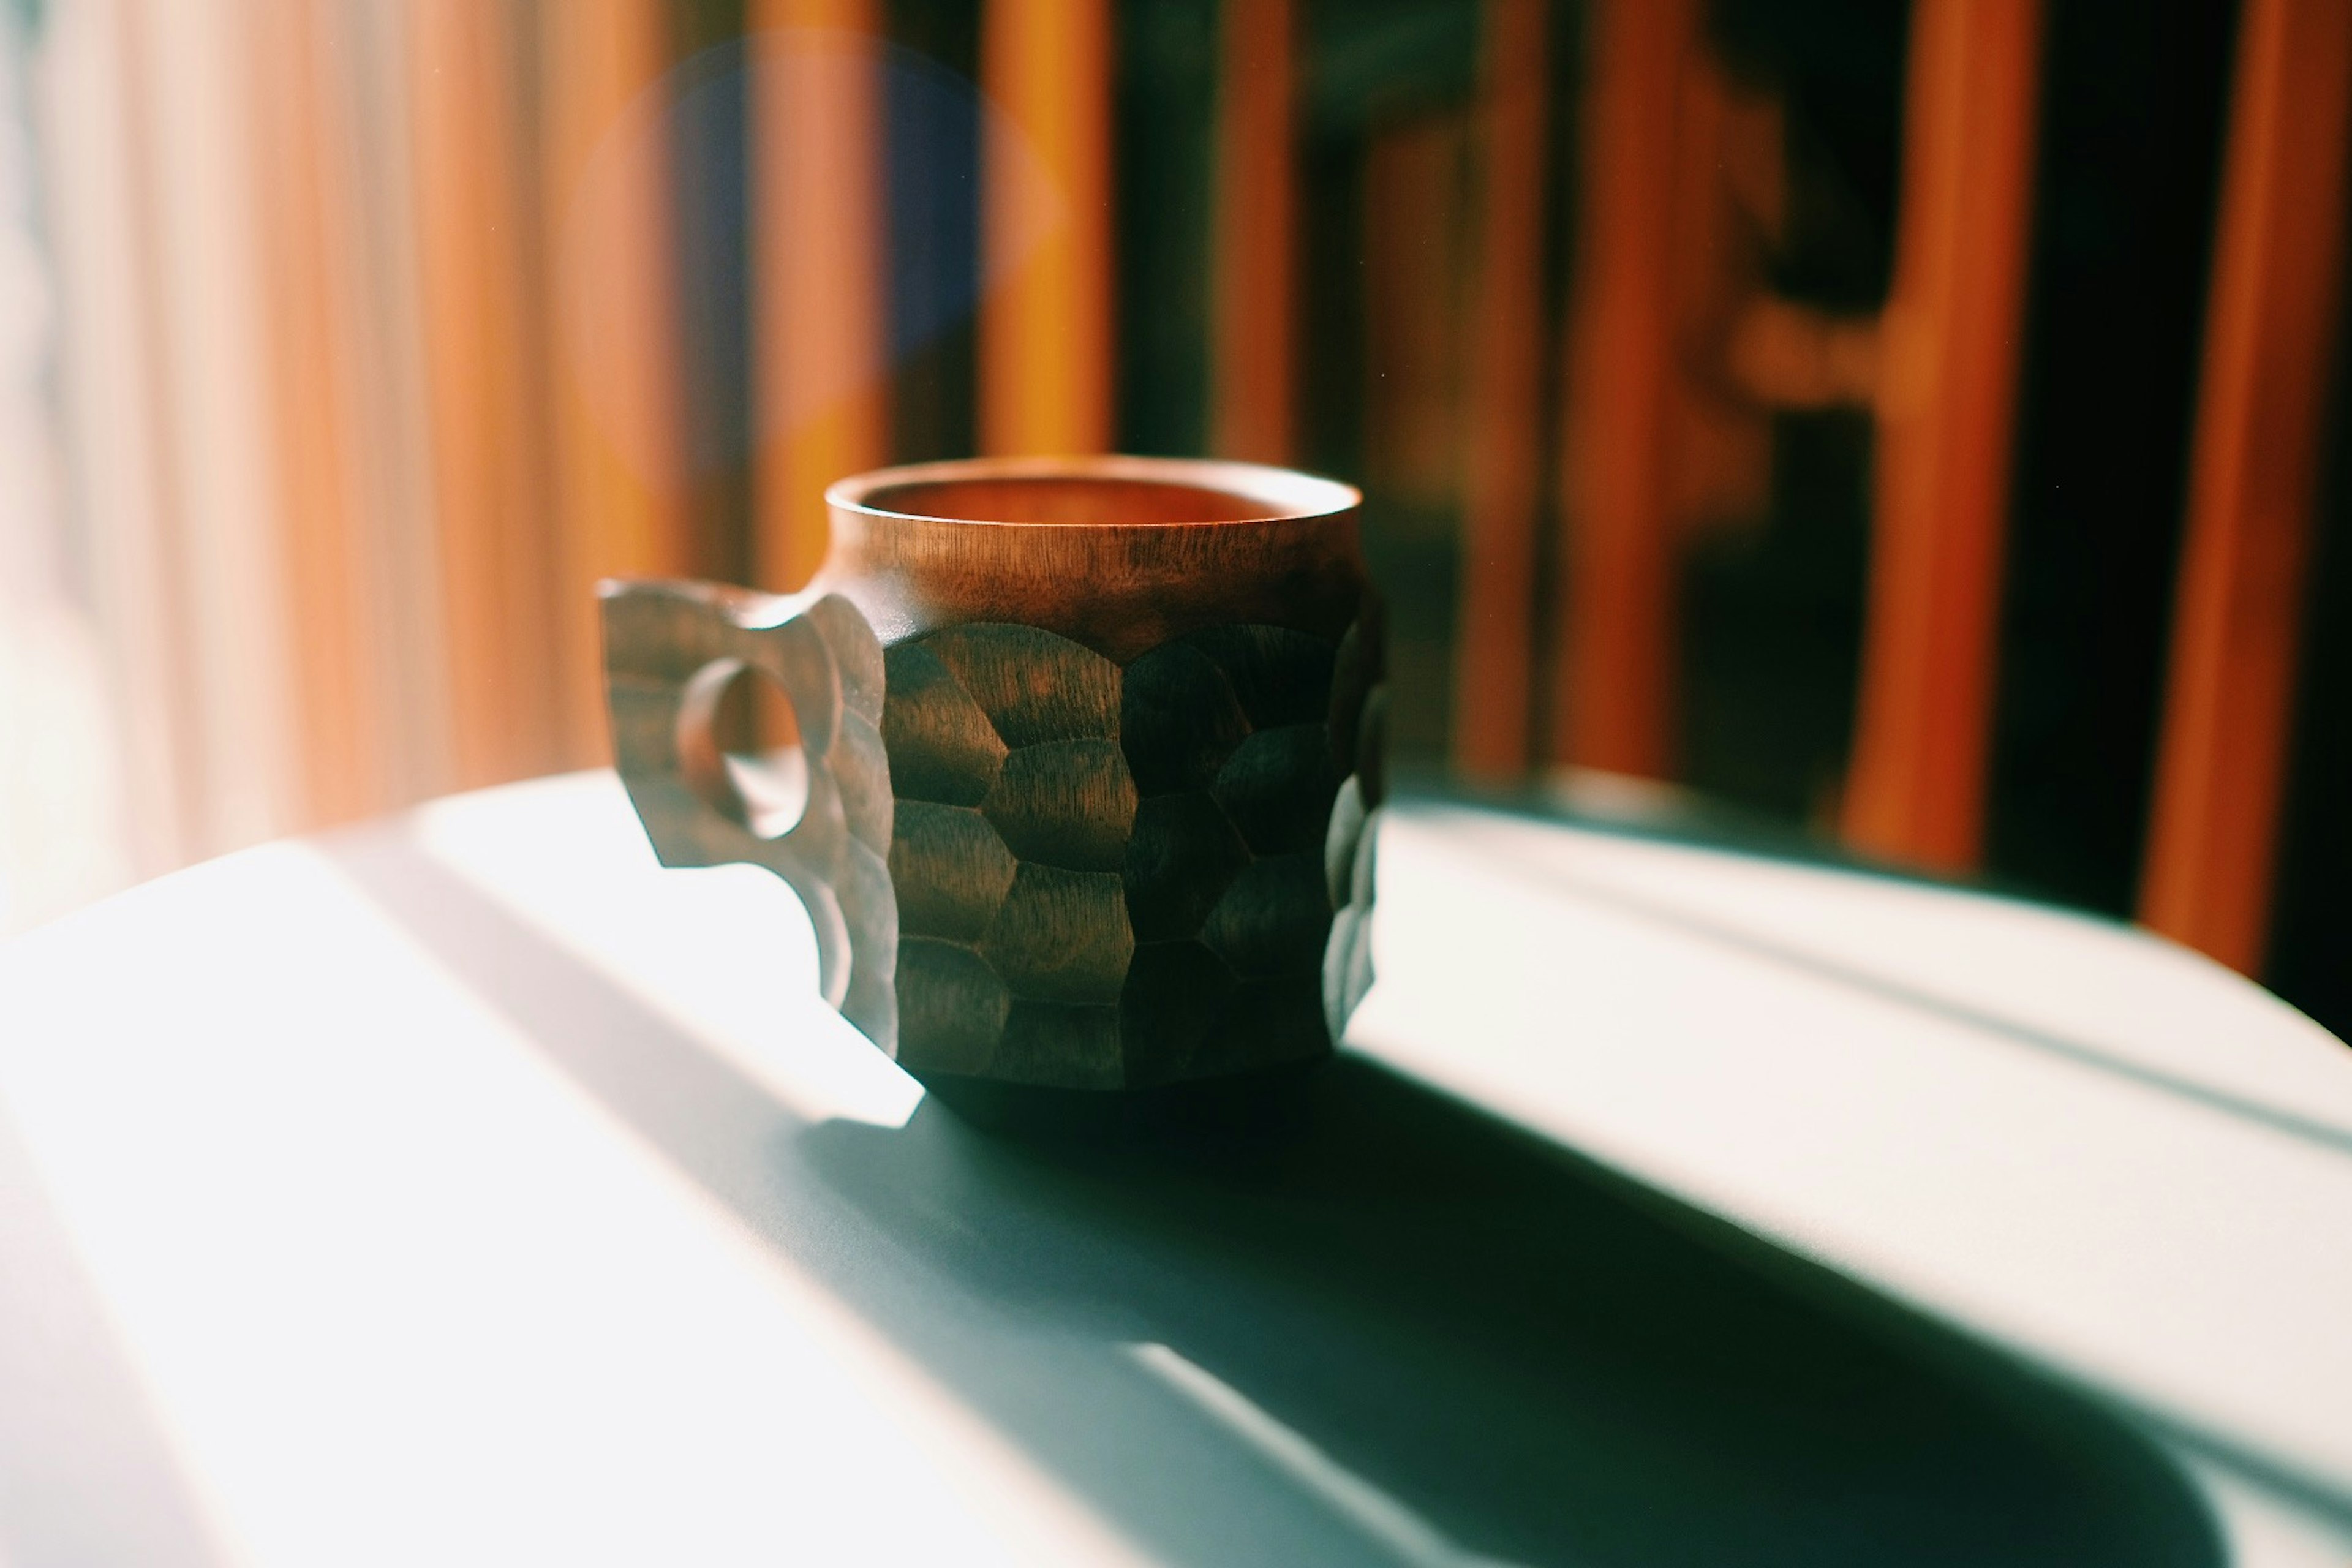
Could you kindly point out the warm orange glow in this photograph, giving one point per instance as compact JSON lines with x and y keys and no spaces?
{"x":1045,"y":323}
{"x":1947,"y":401}
{"x":309,"y":225}
{"x":1495,"y":640}
{"x":1253,"y":349}
{"x":817,"y":157}
{"x":618,"y":476}
{"x":1416,"y":226}
{"x":483,"y":397}
{"x":1613,"y":703}
{"x":2269,"y":328}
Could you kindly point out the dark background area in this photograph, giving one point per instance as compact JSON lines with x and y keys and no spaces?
{"x":2131,"y":121}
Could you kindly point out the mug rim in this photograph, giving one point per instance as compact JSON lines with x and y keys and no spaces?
{"x":1291,"y":495}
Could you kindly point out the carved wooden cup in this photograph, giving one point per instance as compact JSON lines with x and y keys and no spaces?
{"x":1092,"y":746}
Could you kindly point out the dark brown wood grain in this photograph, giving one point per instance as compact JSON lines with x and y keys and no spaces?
{"x":1140,"y":891}
{"x":1101,"y":790}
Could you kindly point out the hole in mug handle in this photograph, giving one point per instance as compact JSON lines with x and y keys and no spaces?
{"x":738,"y":747}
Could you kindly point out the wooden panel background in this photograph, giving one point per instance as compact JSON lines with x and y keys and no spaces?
{"x":375,"y":371}
{"x":1253,"y":330}
{"x":819,"y":276}
{"x":1503,"y":491}
{"x":1613,"y":703}
{"x":2270,"y":336}
{"x":1046,"y":313}
{"x":1946,"y":412}
{"x":477,"y":229}
{"x":614,"y":377}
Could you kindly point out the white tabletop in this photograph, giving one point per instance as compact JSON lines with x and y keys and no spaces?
{"x":468,"y":1189}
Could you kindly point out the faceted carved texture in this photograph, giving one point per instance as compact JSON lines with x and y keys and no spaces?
{"x":1358,"y":724}
{"x":1112,"y":878}
{"x":670,"y":649}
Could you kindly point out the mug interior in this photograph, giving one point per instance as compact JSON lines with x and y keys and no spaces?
{"x":1118,"y":554}
{"x":1068,"y":501}
{"x":1092,"y":492}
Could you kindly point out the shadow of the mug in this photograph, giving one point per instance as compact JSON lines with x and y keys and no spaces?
{"x":1524,"y":1355}
{"x":1380,"y":1326}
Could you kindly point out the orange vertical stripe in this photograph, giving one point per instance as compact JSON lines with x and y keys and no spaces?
{"x":821,"y":388}
{"x":475,"y":231}
{"x":1946,"y":404}
{"x":1495,"y":643}
{"x":1254,"y":355}
{"x":1045,"y":326}
{"x":2254,"y":470}
{"x":617,"y":474}
{"x":309,"y":229}
{"x":1613,"y":699}
{"x":1416,"y":254}
{"x":162,"y":582}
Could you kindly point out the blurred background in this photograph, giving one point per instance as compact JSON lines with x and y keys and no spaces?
{"x":1910,"y":434}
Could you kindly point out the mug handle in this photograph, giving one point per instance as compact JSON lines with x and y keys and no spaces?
{"x":670,"y":649}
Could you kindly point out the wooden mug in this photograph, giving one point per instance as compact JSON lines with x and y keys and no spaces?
{"x":1091,"y":746}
